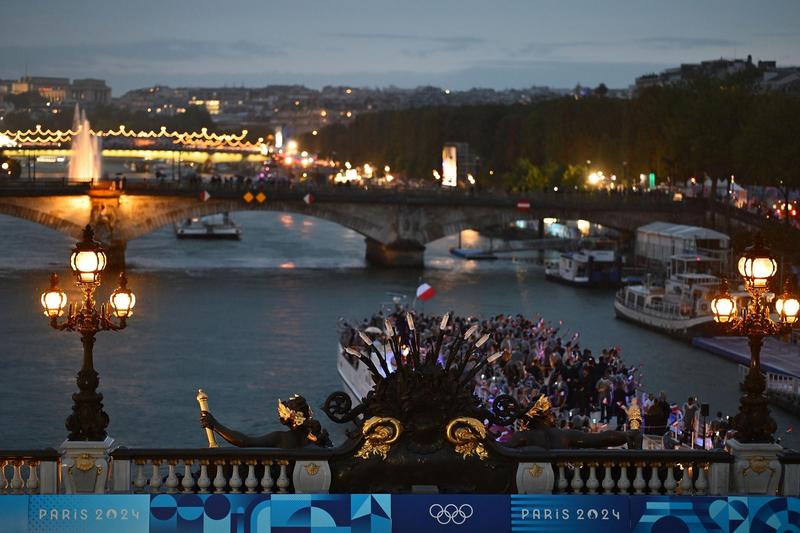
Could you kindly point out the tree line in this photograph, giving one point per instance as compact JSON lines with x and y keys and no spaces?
{"x":709,"y":127}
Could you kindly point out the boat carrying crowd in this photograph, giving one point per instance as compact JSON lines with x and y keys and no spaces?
{"x":588,"y":391}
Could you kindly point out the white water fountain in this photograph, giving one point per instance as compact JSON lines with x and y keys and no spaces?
{"x":85,"y":164}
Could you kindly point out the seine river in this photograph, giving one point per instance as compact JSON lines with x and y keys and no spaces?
{"x":255,"y":320}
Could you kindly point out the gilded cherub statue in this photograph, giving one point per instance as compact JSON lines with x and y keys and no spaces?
{"x":295,"y":413}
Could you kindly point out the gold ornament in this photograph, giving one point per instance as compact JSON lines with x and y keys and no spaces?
{"x":466,"y":434}
{"x":295,"y":418}
{"x":379,"y":435}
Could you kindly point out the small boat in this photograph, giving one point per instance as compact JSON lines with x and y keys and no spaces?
{"x":595,"y":264}
{"x":475,"y":254}
{"x":472,"y":253}
{"x":208,"y":227}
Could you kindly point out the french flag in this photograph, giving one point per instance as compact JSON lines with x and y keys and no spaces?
{"x":425,"y":292}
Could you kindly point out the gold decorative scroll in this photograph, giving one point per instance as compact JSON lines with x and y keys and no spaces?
{"x":379,"y":435}
{"x":467,"y":434}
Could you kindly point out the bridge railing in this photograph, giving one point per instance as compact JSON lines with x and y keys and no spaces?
{"x":218,"y":470}
{"x":29,"y":471}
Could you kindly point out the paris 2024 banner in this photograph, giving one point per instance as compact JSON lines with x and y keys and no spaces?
{"x":383,"y":513}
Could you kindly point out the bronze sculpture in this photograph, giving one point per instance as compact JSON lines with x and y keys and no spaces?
{"x":537,"y":429}
{"x":295,"y":413}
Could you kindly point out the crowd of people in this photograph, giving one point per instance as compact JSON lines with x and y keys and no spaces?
{"x":587,"y":390}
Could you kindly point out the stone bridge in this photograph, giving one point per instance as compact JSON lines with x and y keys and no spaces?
{"x":396,"y":224}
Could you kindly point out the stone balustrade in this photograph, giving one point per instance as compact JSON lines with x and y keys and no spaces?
{"x":220,"y":470}
{"x":262,"y":470}
{"x":627,"y":472}
{"x":29,"y":471}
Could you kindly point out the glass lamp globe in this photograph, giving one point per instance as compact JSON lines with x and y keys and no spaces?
{"x":122,"y":299}
{"x":723,"y":305}
{"x":757,"y":265}
{"x":787,"y":306}
{"x":54,"y":300}
{"x":88,"y":260}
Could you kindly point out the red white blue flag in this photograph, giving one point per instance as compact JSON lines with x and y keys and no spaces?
{"x":425,"y":292}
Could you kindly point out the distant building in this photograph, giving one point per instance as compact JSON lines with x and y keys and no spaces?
{"x":90,"y":91}
{"x":54,"y":90}
{"x":772,"y":78}
{"x":60,"y":90}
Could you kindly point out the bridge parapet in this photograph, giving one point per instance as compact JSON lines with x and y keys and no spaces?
{"x":397,"y":224}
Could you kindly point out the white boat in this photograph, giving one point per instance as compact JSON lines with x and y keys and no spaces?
{"x":355,"y":375}
{"x":680,"y":307}
{"x":208,"y":227}
{"x":595,"y":264}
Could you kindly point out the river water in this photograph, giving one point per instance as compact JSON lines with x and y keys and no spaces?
{"x":255,"y":320}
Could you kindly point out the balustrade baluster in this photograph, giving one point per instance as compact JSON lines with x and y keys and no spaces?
{"x":686,"y":481}
{"x":251,"y":482}
{"x":592,"y":484}
{"x":266,"y":482}
{"x":188,"y":480}
{"x":562,"y":479}
{"x":576,"y":483}
{"x":701,"y":484}
{"x":608,"y":480}
{"x":3,"y":480}
{"x":16,"y":480}
{"x":140,"y":481}
{"x":638,"y":482}
{"x":283,"y":478}
{"x":669,"y":484}
{"x":655,"y":481}
{"x":624,"y":482}
{"x":172,"y":478}
{"x":236,"y":480}
{"x":33,"y":477}
{"x":155,"y":476}
{"x":204,"y":481}
{"x":219,"y":479}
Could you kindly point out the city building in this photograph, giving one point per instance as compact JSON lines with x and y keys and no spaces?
{"x":767,"y":74}
{"x":90,"y":91}
{"x":59,"y":90}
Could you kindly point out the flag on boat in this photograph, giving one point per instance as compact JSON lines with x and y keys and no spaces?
{"x":308,"y":199}
{"x":204,"y":196}
{"x":425,"y":292}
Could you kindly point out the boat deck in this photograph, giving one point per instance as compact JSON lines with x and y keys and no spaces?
{"x":776,"y":356}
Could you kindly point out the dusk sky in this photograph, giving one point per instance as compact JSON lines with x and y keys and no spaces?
{"x":450,"y":43}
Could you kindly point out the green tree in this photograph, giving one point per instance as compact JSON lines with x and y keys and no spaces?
{"x":525,"y":176}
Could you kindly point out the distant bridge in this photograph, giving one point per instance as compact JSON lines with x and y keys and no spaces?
{"x":397,"y":224}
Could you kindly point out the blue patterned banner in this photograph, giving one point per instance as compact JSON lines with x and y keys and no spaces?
{"x":88,"y":513}
{"x":450,"y":512}
{"x":14,"y":513}
{"x":715,"y":514}
{"x":278,"y":513}
{"x":383,"y":513}
{"x":544,"y":513}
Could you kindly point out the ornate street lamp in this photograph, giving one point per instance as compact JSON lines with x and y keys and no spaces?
{"x":88,"y":421}
{"x":753,"y":423}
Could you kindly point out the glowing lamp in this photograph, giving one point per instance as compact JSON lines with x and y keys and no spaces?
{"x":54,"y":300}
{"x":723,"y":305}
{"x":122,"y":299}
{"x":88,"y":259}
{"x":757,"y":266}
{"x":787,"y":306}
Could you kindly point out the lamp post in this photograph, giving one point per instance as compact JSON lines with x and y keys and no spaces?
{"x":88,"y":421}
{"x":753,"y":423}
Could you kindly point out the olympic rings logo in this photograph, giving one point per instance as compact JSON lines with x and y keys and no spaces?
{"x":450,"y":513}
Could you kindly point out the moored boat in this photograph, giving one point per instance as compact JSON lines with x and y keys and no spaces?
{"x":681,"y":307}
{"x":208,"y":227}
